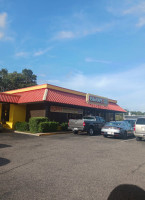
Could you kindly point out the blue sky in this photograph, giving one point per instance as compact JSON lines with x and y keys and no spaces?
{"x":95,"y":46}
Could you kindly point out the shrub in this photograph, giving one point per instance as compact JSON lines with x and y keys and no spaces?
{"x":64,"y":126}
{"x":48,"y":126}
{"x":34,"y":123}
{"x":22,"y":126}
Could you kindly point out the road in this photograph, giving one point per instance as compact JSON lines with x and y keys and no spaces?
{"x":67,"y":166}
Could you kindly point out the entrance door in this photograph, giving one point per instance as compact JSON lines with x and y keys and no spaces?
{"x":5,"y":112}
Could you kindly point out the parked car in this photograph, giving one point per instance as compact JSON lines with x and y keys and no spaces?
{"x":117,"y":129}
{"x":139,"y":129}
{"x":131,"y":121}
{"x":89,"y":124}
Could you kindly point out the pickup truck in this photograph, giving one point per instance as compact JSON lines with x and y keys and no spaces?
{"x":89,"y":124}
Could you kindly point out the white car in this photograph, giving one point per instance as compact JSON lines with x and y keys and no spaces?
{"x":121,"y":129}
{"x":139,"y":129}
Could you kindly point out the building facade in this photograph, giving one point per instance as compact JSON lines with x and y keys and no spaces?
{"x":56,"y":103}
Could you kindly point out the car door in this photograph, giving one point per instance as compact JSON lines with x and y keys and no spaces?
{"x":100,"y":124}
{"x":97,"y":123}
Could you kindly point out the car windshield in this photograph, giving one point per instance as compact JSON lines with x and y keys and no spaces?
{"x":113,"y":124}
{"x":89,"y":118}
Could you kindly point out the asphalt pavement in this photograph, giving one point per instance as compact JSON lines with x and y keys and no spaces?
{"x":67,"y":166}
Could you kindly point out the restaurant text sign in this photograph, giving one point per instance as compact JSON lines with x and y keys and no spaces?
{"x":93,"y":99}
{"x":65,"y":110}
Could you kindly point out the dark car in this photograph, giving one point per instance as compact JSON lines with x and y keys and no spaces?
{"x":90,"y":124}
{"x":131,"y":121}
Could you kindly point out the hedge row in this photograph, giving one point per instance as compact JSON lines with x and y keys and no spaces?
{"x":34,"y":123}
{"x":22,"y":126}
{"x":48,"y":126}
{"x":64,"y":126}
{"x":40,"y":124}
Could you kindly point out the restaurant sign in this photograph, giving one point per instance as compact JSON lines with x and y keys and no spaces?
{"x":65,"y":110}
{"x":93,"y":99}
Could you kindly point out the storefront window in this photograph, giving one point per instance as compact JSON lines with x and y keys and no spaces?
{"x":5,"y":112}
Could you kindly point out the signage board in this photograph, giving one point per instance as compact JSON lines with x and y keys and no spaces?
{"x":65,"y":110}
{"x":93,"y":99}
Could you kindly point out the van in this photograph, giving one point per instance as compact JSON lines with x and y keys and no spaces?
{"x":139,"y":128}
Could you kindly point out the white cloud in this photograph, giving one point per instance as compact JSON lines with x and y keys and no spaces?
{"x":4,"y":36}
{"x":78,"y":25}
{"x":64,"y":35}
{"x":42,"y":52}
{"x":22,"y":54}
{"x":78,"y":33}
{"x":136,"y":9}
{"x":141,"y":22}
{"x":127,"y":87}
{"x":3,"y":18}
{"x":37,"y":53}
{"x":130,"y":11}
{"x":91,"y":60}
{"x":1,"y":35}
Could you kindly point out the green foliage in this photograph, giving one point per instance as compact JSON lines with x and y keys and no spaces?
{"x":48,"y":127}
{"x":64,"y":126}
{"x":119,"y":117}
{"x":22,"y":126}
{"x":137,"y":113}
{"x":11,"y":81}
{"x":34,"y":123}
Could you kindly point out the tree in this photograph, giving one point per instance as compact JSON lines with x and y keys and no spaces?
{"x":11,"y":81}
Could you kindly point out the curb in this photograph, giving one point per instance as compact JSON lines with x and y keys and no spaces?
{"x":43,"y":134}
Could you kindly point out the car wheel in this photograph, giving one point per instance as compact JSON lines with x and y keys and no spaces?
{"x":105,"y":136}
{"x":91,"y":131}
{"x":124,"y":136}
{"x":138,"y":138}
{"x":75,"y":132}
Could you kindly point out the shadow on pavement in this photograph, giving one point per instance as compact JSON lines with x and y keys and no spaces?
{"x":118,"y":138}
{"x":4,"y":161}
{"x":127,"y":192}
{"x":4,"y":145}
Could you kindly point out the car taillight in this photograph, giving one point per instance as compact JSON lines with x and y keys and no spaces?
{"x":84,"y":124}
{"x":68,"y":123}
{"x":134,"y":127}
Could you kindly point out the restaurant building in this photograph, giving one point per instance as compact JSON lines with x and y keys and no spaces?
{"x":56,"y":103}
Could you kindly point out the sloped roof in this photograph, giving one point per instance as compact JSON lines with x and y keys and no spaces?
{"x":56,"y":94}
{"x":72,"y":99}
{"x":9,"y":98}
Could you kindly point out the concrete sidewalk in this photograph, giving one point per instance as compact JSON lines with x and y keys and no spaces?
{"x":43,"y":134}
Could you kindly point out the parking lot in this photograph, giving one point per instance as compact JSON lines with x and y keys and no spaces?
{"x":67,"y":166}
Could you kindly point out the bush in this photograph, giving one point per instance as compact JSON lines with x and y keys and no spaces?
{"x":48,"y":126}
{"x":64,"y":126}
{"x":22,"y":126}
{"x":34,"y":123}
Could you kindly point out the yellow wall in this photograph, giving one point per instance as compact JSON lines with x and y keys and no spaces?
{"x":17,"y":113}
{"x":0,"y":111}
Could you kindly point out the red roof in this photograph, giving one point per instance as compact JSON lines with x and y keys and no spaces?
{"x":63,"y":98}
{"x":9,"y":98}
{"x":31,"y":96}
{"x":72,"y":99}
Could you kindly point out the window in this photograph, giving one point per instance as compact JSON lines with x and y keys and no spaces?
{"x":140,"y":121}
